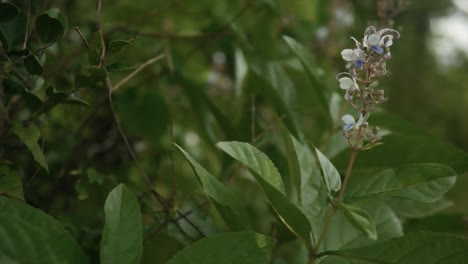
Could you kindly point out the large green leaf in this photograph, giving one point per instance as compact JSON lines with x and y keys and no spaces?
{"x":329,"y":172}
{"x":224,"y":200}
{"x":51,"y":25}
{"x":419,"y":182}
{"x":271,"y":183}
{"x":313,"y":191}
{"x":122,"y":238}
{"x":422,"y":247}
{"x":28,"y":235}
{"x":233,"y":248}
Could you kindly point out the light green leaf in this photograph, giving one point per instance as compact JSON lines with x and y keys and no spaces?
{"x":96,"y":48}
{"x":421,"y":247}
{"x":10,"y":183}
{"x":30,"y":135}
{"x":122,"y":238}
{"x":271,"y":183}
{"x":420,"y":182}
{"x":413,"y":209}
{"x":28,"y":235}
{"x":329,"y":172}
{"x":224,"y":200}
{"x":51,"y":25}
{"x":360,"y":219}
{"x":232,"y":248}
{"x":115,"y":46}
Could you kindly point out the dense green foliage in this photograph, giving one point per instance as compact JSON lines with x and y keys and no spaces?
{"x":210,"y":132}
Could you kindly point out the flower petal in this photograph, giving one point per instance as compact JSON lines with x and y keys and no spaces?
{"x":347,"y":54}
{"x":348,"y":119}
{"x":377,"y":49}
{"x":346,"y":83}
{"x":373,"y":40}
{"x":348,"y":127}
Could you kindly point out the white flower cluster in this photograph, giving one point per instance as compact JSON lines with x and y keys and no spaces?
{"x":366,"y":65}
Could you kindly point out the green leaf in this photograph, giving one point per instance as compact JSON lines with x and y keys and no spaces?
{"x":255,"y":160}
{"x":8,"y":11}
{"x":13,"y":32}
{"x":96,"y":48}
{"x":31,"y":236}
{"x":32,"y":101}
{"x":51,"y":25}
{"x":342,"y":233}
{"x":76,"y":101}
{"x":54,"y":97}
{"x":330,"y":173}
{"x":232,"y":248}
{"x":271,"y":183}
{"x":224,"y":200}
{"x":360,"y":219}
{"x":10,"y":183}
{"x":30,"y":135}
{"x":90,"y":76}
{"x":420,"y":182}
{"x":421,"y":247}
{"x":33,"y":65}
{"x":116,"y":46}
{"x":122,"y":238}
{"x":413,"y":209}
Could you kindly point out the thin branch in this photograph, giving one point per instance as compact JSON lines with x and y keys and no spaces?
{"x":136,"y":71}
{"x":82,"y":37}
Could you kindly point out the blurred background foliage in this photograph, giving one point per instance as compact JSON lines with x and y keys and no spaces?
{"x":229,"y":74}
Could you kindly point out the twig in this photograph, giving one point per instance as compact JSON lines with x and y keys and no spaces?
{"x":136,"y":71}
{"x":82,"y":37}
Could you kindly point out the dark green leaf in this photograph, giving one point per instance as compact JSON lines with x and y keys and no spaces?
{"x":360,"y":219}
{"x":76,"y":101}
{"x":122,"y":238}
{"x":51,"y":25}
{"x":420,"y":182}
{"x":224,"y":200}
{"x":31,"y":236}
{"x":33,"y":102}
{"x":422,"y":247}
{"x":117,"y":45}
{"x":96,"y":48}
{"x":271,"y":183}
{"x":33,"y":65}
{"x":232,"y":248}
{"x":10,"y":183}
{"x":55,"y":97}
{"x":90,"y":76}
{"x":330,"y":174}
{"x":8,"y":11}
{"x":13,"y":32}
{"x":30,"y":135}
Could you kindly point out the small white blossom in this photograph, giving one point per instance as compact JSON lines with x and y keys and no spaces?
{"x":378,"y":40}
{"x":350,"y":122}
{"x":348,"y":84}
{"x":355,"y":56}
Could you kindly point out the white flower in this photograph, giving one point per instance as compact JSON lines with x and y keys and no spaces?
{"x":355,"y":56}
{"x":348,"y":84}
{"x":350,"y":122}
{"x":378,"y":40}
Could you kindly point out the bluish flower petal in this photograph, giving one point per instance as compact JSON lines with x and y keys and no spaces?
{"x":358,"y":64}
{"x":348,"y":126}
{"x":377,"y":49}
